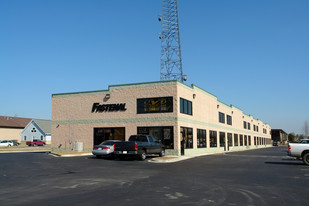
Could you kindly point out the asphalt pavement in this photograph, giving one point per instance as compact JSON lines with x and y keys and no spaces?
{"x":257,"y":177}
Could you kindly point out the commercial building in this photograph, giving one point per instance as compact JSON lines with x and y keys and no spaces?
{"x":187,"y":119}
{"x":280,"y":136}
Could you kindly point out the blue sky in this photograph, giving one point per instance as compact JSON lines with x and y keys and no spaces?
{"x":249,"y":53}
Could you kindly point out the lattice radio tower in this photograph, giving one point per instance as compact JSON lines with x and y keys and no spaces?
{"x":171,"y":61}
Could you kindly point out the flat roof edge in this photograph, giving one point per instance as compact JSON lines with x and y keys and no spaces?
{"x":110,"y":87}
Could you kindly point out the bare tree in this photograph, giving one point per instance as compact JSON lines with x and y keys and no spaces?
{"x":306,"y":128}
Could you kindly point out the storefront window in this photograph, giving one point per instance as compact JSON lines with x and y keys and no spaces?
{"x":241,"y":140}
{"x":102,"y":134}
{"x":261,"y":140}
{"x":188,"y":137}
{"x":163,"y":134}
{"x":235,"y":139}
{"x":249,"y":138}
{"x":201,"y":138}
{"x":222,"y":139}
{"x":213,"y":138}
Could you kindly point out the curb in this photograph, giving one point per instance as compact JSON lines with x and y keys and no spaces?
{"x":178,"y":158}
{"x":23,"y":151}
{"x":69,"y":155}
{"x":172,"y":160}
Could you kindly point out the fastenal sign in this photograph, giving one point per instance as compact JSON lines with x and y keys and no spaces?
{"x":97,"y":107}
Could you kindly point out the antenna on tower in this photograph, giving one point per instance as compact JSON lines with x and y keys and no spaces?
{"x":171,"y":61}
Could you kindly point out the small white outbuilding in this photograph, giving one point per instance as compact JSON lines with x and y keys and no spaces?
{"x":37,"y":129}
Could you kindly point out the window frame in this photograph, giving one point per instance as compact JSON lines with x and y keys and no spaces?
{"x":213,"y":135}
{"x":146,"y":109}
{"x":201,"y":138}
{"x":222,"y":117}
{"x":229,"y":120}
{"x":186,"y":106}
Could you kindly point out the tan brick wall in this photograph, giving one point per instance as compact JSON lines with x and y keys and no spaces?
{"x":79,"y":108}
{"x":206,"y":108}
{"x":72,"y":112}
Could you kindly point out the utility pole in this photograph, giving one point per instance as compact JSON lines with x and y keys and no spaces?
{"x":171,"y":61}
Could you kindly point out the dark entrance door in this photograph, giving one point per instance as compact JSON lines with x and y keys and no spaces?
{"x":111,"y":133}
{"x":182,"y":144}
{"x":229,"y":140}
{"x":222,"y":140}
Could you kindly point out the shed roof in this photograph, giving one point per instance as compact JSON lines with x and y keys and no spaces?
{"x":13,"y":122}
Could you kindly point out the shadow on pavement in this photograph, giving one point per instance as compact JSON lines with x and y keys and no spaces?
{"x":285,"y":163}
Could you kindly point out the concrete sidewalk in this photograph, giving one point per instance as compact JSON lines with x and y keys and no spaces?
{"x":70,"y":154}
{"x":152,"y":159}
{"x":171,"y":159}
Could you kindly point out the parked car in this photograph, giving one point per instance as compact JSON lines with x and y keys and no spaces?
{"x":300,"y":150}
{"x":139,"y":146}
{"x":106,"y":148}
{"x":6,"y":143}
{"x":35,"y":142}
{"x":15,"y":142}
{"x":275,"y":143}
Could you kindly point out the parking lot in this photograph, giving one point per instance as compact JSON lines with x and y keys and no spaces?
{"x":257,"y":177}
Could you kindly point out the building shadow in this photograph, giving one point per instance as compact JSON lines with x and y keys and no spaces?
{"x":285,"y":163}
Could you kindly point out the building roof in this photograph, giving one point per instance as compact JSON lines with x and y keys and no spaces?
{"x":13,"y":122}
{"x":45,"y":125}
{"x":278,"y":130}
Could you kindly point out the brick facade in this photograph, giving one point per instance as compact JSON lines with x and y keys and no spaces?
{"x":74,"y":121}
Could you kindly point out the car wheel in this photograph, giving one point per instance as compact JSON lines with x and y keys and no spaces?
{"x":143,"y":156}
{"x":162,"y":153}
{"x":98,"y":156}
{"x":306,"y":158}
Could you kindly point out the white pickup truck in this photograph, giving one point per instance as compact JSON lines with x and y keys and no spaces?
{"x":300,"y":150}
